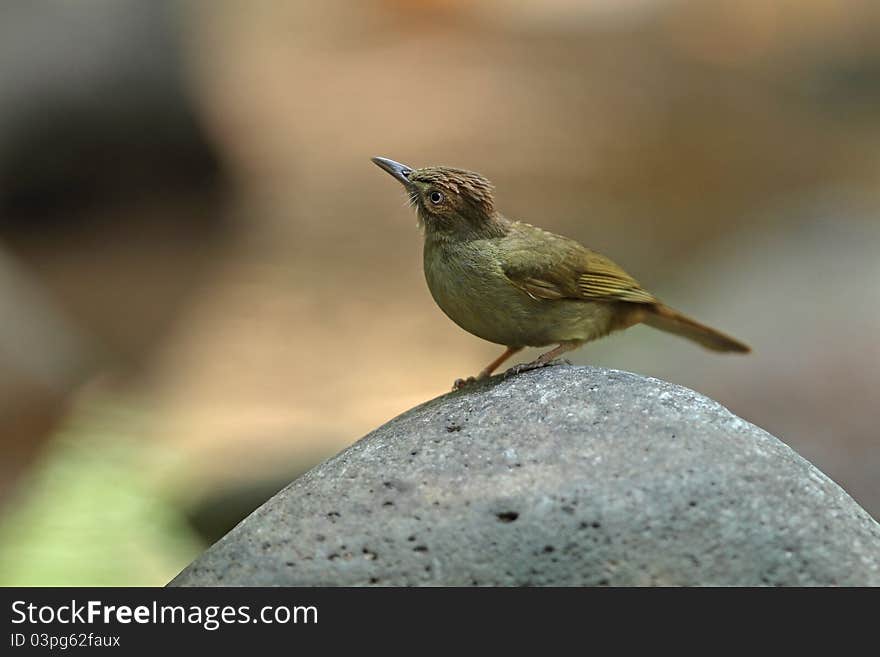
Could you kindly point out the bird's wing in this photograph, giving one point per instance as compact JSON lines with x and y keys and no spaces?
{"x":548,"y":266}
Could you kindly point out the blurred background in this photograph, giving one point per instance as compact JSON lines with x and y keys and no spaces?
{"x":206,"y":287}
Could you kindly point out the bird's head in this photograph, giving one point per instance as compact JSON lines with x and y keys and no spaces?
{"x":448,"y":200}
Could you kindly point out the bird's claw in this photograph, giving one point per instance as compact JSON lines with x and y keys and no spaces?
{"x":534,"y":365}
{"x":462,"y":383}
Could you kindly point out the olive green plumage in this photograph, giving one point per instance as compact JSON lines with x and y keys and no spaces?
{"x":511,"y":283}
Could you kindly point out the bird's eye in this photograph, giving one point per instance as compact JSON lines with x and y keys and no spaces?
{"x":436,"y":197}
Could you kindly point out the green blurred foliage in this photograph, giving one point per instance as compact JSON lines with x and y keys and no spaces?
{"x":93,"y":511}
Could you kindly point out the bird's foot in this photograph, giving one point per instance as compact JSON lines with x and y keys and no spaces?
{"x":463,"y":383}
{"x":534,"y":365}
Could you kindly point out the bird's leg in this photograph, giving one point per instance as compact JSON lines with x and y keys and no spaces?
{"x":545,"y":358}
{"x":486,"y":372}
{"x":495,"y":364}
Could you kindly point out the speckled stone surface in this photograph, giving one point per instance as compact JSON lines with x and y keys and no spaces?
{"x":560,"y":476}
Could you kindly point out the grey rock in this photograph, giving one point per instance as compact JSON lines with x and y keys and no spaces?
{"x":560,"y":476}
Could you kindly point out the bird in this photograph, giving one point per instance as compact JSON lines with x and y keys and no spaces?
{"x":517,"y":285}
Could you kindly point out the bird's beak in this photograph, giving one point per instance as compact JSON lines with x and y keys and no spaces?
{"x":396,"y":169}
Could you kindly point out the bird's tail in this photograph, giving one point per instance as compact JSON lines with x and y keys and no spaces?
{"x":667,"y":319}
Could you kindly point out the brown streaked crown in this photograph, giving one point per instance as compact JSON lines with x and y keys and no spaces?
{"x":468,"y":185}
